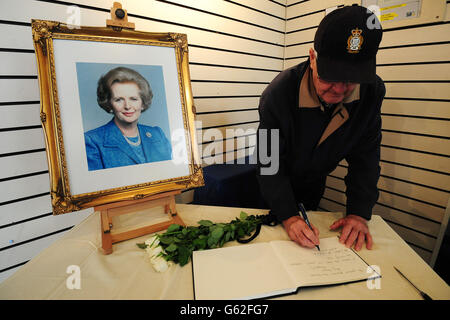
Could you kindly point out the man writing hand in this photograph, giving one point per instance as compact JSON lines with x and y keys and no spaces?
{"x":324,"y":110}
{"x":354,"y":231}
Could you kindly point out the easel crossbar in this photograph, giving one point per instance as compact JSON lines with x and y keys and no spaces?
{"x":107,"y":212}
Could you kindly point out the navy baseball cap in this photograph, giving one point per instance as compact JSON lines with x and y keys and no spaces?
{"x":347,"y":42}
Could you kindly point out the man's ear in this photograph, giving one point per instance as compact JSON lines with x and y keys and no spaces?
{"x":312,"y":58}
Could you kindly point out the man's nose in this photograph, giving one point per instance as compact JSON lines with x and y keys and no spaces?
{"x":339,"y":87}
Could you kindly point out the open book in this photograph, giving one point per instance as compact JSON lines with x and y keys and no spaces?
{"x":268,"y":269}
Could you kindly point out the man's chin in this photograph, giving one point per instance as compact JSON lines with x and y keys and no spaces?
{"x":333,"y":99}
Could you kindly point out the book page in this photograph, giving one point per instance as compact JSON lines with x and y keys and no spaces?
{"x":333,"y":264}
{"x":247,"y":271}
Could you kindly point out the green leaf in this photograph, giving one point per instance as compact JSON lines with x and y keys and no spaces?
{"x":200,"y":243}
{"x":205,"y":223}
{"x":217,"y":233}
{"x":142,"y":245}
{"x":173,"y":227}
{"x":243,"y":215}
{"x":183,"y":255}
{"x":171,"y":248}
{"x":212,"y":242}
{"x":167,"y":239}
{"x":194,"y":232}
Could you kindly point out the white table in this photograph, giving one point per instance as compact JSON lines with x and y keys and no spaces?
{"x":128,"y":274}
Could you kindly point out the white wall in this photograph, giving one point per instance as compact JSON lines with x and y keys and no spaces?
{"x":235,"y":50}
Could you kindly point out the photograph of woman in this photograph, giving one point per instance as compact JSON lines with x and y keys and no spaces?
{"x":125,"y":94}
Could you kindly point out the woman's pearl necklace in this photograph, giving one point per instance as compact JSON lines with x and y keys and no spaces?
{"x":137,"y":143}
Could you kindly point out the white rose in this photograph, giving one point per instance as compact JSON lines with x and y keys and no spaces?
{"x":153,"y":241}
{"x":149,"y":251}
{"x":160,"y":264}
{"x":153,"y":252}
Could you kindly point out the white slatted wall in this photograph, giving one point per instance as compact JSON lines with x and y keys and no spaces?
{"x":235,"y":49}
{"x":415,"y":179}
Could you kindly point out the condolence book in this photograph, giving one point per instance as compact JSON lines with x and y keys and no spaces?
{"x":268,"y":269}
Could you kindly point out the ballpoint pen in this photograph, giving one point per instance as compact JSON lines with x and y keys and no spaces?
{"x":423,"y":294}
{"x":305,"y":217}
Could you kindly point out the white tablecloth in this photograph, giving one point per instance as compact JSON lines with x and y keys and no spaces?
{"x":128,"y":274}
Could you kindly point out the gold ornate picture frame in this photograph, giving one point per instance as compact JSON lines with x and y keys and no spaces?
{"x":86,"y":171}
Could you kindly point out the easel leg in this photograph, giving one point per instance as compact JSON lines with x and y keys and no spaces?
{"x":106,"y":233}
{"x":170,"y":207}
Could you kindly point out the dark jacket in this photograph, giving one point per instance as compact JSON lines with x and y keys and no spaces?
{"x":312,"y":142}
{"x":107,"y":148}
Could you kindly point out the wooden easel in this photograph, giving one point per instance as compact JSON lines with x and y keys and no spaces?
{"x":119,"y":18}
{"x":108,"y":211}
{"x":119,"y":21}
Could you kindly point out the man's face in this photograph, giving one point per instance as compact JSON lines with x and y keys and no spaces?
{"x":330,"y":92}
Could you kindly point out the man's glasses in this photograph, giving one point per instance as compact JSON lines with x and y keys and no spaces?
{"x":346,"y":84}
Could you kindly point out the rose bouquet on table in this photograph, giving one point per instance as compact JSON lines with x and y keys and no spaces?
{"x":178,"y":242}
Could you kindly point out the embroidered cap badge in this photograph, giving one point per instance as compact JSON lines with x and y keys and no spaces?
{"x":355,"y":41}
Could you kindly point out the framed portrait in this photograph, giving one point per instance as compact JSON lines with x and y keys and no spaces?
{"x":117,"y":113}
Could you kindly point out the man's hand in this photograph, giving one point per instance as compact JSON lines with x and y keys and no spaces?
{"x":298,"y":231}
{"x":354,"y":228}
